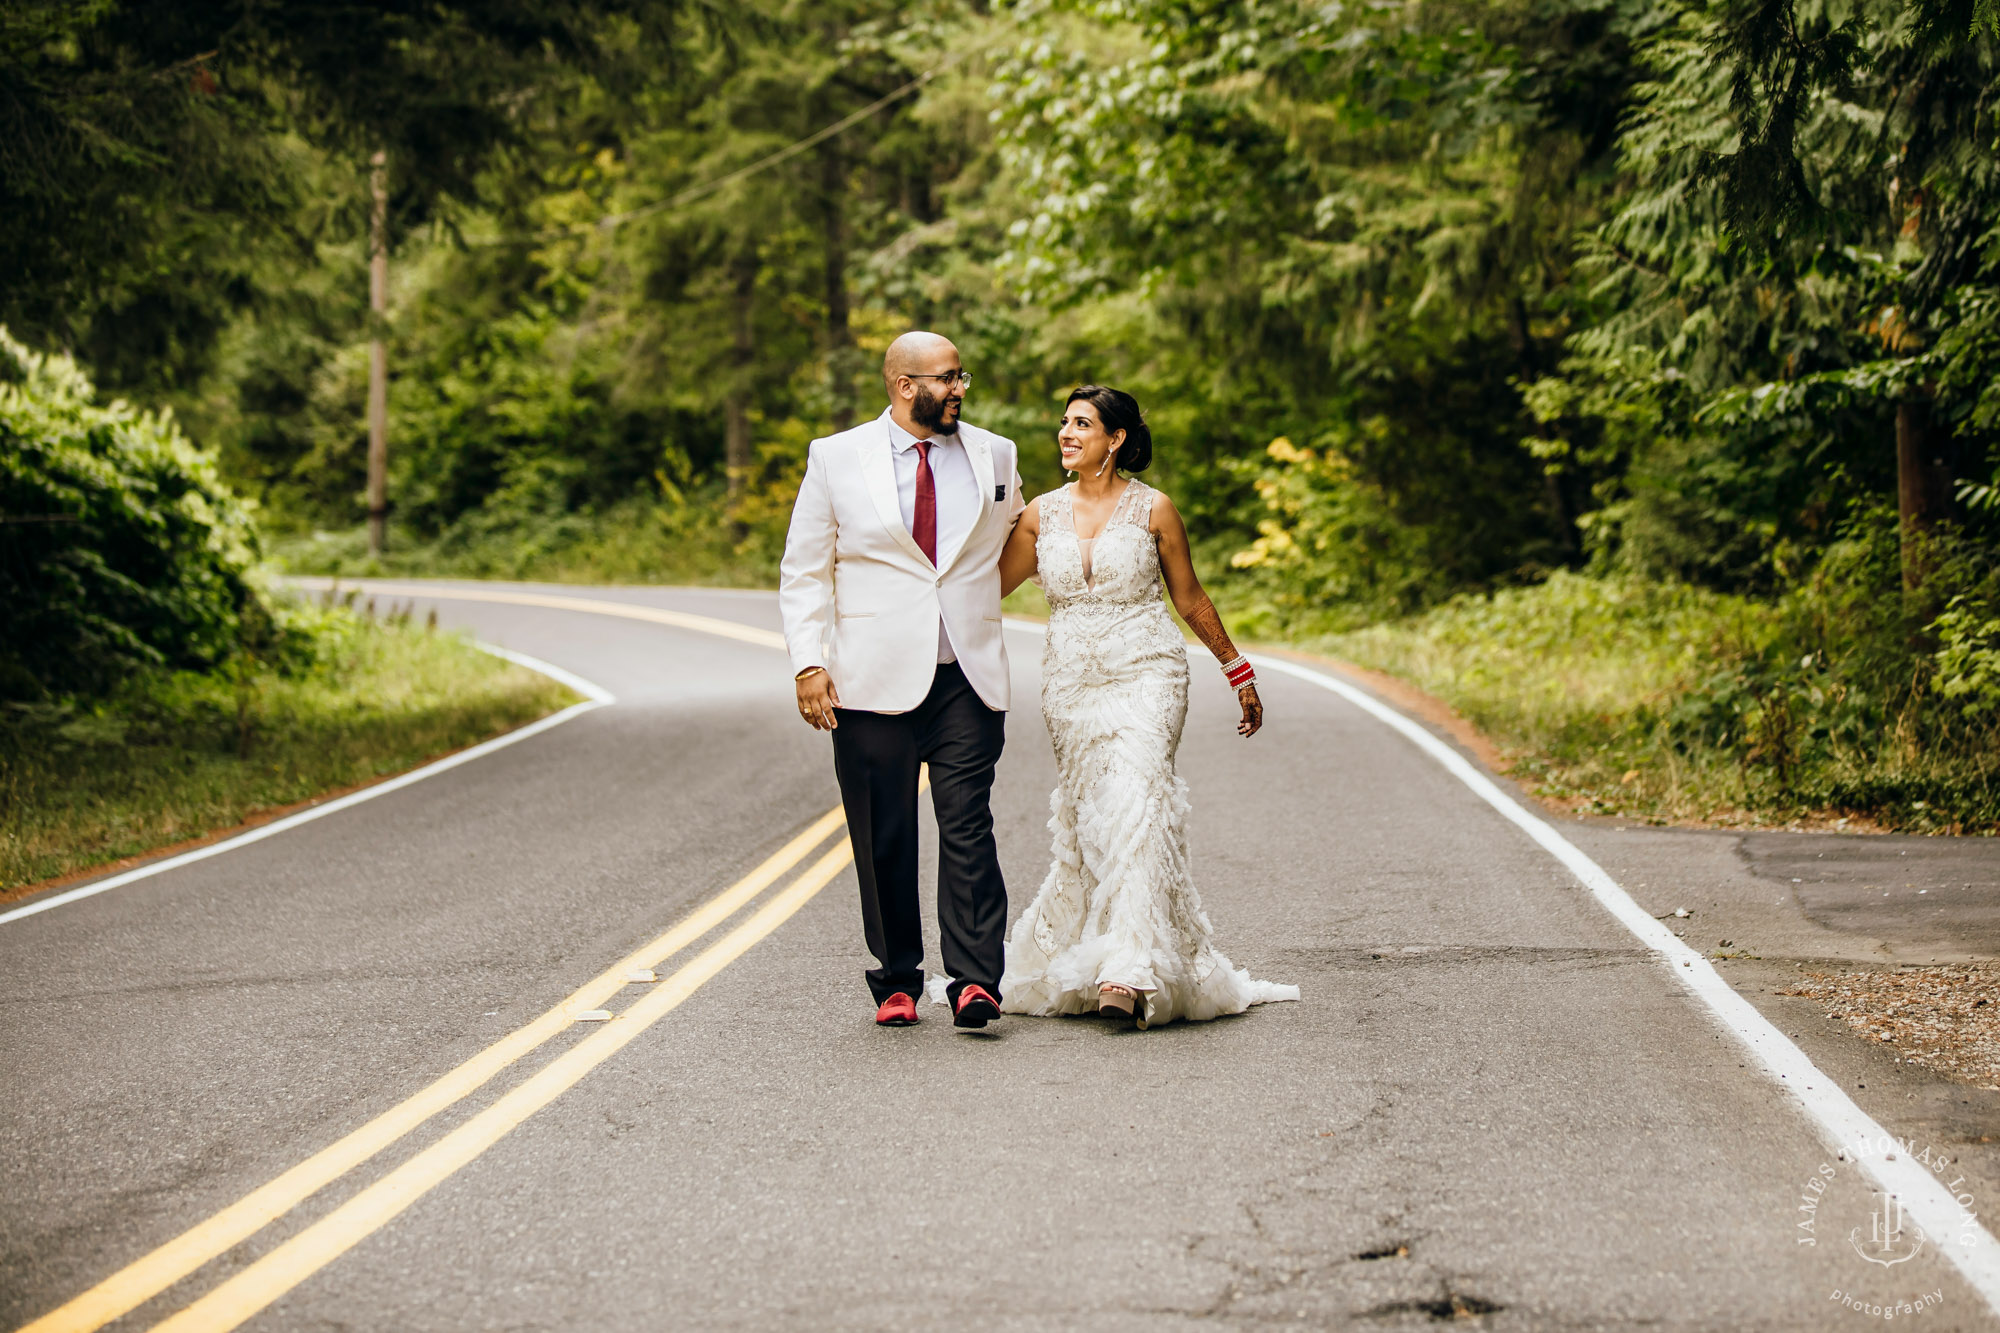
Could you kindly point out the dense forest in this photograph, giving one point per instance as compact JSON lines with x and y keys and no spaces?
{"x":1438,"y":308}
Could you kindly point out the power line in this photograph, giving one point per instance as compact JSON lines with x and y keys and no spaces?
{"x":694,"y":192}
{"x":612,"y":221}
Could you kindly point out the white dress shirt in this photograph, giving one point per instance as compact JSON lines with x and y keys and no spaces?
{"x":957,"y":498}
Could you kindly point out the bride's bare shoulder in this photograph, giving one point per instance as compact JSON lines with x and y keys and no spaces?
{"x":1162,"y":516}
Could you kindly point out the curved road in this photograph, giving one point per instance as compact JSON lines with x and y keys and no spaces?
{"x":1495,"y":1104}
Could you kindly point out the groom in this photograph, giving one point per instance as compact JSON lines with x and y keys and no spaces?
{"x":890,"y":591}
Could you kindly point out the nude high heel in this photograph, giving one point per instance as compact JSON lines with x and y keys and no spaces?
{"x":1115,"y":1001}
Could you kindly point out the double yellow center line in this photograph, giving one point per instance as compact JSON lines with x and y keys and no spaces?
{"x":274,"y":1274}
{"x":326,"y":1240}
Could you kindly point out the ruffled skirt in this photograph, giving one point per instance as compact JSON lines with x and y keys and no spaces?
{"x":1118,"y":904}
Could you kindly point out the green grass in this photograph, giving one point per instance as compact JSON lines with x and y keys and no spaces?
{"x":1569,"y":678}
{"x":177,"y":755}
{"x":1667,"y":703}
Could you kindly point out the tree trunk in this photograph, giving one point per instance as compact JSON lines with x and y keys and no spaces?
{"x":1923,"y":483}
{"x":378,"y":355}
{"x":839,"y":336}
{"x":736,"y":429}
{"x":1555,"y":493}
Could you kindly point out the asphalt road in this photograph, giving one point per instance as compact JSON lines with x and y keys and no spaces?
{"x":1493,"y":1106}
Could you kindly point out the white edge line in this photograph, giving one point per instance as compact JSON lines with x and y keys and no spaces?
{"x":596,"y":696}
{"x":588,"y":689}
{"x":1845,"y":1127}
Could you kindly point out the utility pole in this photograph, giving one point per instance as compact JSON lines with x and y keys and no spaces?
{"x":839,"y":335}
{"x":736,"y":427}
{"x":378,"y":355}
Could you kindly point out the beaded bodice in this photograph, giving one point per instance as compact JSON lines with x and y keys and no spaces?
{"x":1121,"y":565}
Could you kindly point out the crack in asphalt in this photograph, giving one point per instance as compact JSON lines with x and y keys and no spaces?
{"x":1280,"y":1272}
{"x":1427,"y":955}
{"x":1448,"y":1307}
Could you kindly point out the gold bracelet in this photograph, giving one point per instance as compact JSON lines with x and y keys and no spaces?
{"x":807,"y":672}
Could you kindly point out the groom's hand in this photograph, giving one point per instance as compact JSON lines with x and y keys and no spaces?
{"x":818,"y":699}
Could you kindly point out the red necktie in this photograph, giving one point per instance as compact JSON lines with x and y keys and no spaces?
{"x":923,"y":524}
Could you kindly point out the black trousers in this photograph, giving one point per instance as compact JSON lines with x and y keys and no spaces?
{"x":876,"y":756}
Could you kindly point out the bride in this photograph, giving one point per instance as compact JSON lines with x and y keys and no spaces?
{"x":1117,"y":926}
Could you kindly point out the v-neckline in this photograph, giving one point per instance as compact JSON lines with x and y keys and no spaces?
{"x":1106,"y":524}
{"x":1086,"y":546}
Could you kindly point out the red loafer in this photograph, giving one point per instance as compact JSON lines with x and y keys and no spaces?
{"x":975,"y":1008}
{"x":898,"y":1011}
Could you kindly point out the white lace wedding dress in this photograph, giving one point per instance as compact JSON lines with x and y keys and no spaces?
{"x":1118,"y":904}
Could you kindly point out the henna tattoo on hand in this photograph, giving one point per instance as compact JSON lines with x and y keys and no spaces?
{"x":1206,"y":623}
{"x":1253,"y":710}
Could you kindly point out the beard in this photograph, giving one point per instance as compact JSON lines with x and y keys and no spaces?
{"x":928,"y":411}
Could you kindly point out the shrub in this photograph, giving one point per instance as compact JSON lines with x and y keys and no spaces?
{"x":1329,"y":553}
{"x":1969,"y":657}
{"x":1844,"y":694}
{"x":120,"y":545}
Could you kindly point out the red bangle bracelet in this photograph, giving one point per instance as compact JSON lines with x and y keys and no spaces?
{"x":1240,"y":672}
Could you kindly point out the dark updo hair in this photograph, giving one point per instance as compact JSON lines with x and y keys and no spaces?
{"x":1118,"y":411}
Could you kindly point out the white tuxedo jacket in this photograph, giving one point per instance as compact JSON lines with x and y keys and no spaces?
{"x":857,"y":593}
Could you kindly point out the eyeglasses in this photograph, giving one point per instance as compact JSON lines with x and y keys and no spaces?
{"x":959,"y":378}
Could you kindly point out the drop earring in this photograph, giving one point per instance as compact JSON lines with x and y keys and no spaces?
{"x":1109,"y":454}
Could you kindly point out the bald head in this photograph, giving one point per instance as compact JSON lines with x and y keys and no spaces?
{"x":921,"y":399}
{"x":917,"y":353}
